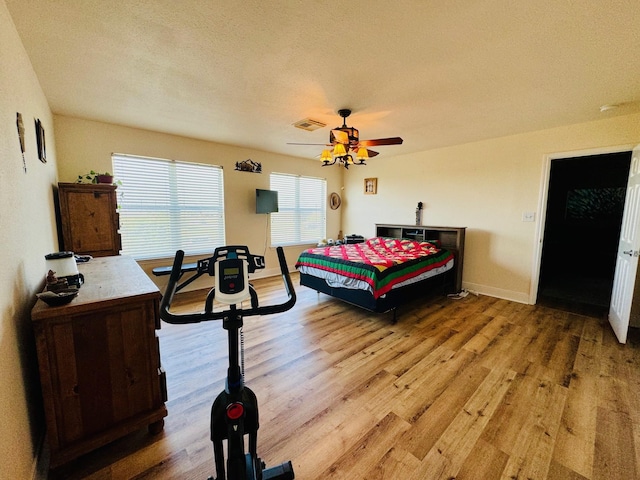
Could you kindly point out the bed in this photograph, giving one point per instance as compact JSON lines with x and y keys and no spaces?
{"x":379,"y":274}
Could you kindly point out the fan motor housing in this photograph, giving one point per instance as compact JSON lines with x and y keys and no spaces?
{"x":354,"y":135}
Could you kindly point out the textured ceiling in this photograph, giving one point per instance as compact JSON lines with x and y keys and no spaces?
{"x":435,"y":73}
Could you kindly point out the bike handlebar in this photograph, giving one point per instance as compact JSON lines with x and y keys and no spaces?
{"x":184,"y":318}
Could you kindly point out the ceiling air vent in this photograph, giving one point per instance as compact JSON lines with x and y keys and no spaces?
{"x":309,"y":125}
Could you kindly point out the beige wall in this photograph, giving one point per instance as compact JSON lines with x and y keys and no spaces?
{"x":27,"y":233}
{"x":484,"y":186}
{"x":85,"y":145}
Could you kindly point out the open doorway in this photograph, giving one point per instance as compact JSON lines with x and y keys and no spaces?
{"x":584,"y":214}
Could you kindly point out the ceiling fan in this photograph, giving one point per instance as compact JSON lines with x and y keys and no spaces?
{"x":346,"y":139}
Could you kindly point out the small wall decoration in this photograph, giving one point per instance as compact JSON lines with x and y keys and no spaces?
{"x":334,"y":201}
{"x":370,"y":186}
{"x":20,"y":127}
{"x":249,"y":165}
{"x":42,"y":151}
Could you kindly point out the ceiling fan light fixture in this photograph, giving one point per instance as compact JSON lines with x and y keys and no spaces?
{"x":362,"y":154}
{"x":339,"y":150}
{"x":326,"y":156}
{"x":345,"y":139}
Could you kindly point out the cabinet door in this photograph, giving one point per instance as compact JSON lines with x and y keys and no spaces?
{"x":106,"y":369}
{"x":90,"y":221}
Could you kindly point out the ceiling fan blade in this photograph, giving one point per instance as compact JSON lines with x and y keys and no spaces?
{"x":340,"y":136}
{"x":372,"y":153}
{"x":381,"y":141}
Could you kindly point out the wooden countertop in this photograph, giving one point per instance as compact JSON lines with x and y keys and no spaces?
{"x":107,"y":280}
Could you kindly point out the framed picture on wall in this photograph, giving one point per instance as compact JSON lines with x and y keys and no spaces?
{"x":370,"y":186}
{"x":42,"y":151}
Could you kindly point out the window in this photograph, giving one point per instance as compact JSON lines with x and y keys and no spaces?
{"x":301,"y":216}
{"x":167,"y":205}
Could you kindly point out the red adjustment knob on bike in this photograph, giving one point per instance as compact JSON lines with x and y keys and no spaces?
{"x":235,"y":410}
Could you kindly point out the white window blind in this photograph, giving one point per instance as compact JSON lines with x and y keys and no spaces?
{"x":167,"y":205}
{"x":302,"y":216}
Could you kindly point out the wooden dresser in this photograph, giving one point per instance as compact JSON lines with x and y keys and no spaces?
{"x":99,"y":359}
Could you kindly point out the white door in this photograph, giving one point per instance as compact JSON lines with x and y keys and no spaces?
{"x":628,"y":250}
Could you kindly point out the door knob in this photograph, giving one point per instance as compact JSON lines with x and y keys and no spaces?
{"x":628,"y":252}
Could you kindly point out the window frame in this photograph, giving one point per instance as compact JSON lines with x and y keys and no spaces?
{"x":180,"y":183}
{"x":301,"y":212}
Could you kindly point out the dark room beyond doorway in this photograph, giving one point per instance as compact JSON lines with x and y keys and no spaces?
{"x":582,"y":229}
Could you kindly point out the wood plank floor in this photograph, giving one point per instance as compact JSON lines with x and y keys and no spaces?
{"x":477,"y":388}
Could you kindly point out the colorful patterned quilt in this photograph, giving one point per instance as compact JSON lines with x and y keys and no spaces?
{"x":381,"y":263}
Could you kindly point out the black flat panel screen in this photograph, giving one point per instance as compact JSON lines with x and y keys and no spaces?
{"x":266,"y":201}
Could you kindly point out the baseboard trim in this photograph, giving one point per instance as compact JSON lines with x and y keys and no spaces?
{"x":511,"y":295}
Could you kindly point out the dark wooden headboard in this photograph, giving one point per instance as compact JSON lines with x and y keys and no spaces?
{"x":451,"y":238}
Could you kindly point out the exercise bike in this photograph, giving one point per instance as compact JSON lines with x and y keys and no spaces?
{"x":234,"y":413}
